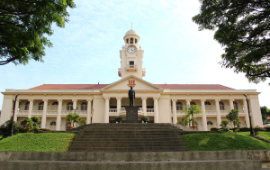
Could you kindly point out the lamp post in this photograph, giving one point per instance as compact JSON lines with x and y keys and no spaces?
{"x":251,"y":130}
{"x":11,"y":133}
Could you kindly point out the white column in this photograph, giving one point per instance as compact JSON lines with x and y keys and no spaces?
{"x":30,"y":108}
{"x":144,"y":106}
{"x":58,"y":119}
{"x":231,"y":104}
{"x":204,"y":121}
{"x":89,"y":108}
{"x":74,"y":105}
{"x":107,"y":108}
{"x":119,"y":99}
{"x":156,"y":118}
{"x":188,"y":103}
{"x":174,"y":111}
{"x":16,"y":110}
{"x":246,"y":112}
{"x":43,"y":119}
{"x":218,"y":113}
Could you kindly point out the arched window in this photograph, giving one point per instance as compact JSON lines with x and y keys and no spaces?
{"x":235,"y":105}
{"x":53,"y":123}
{"x":207,"y":103}
{"x":83,"y":106}
{"x":221,"y":106}
{"x":69,"y":106}
{"x":26,"y":106}
{"x":136,"y":40}
{"x":131,"y":40}
{"x":127,"y":40}
{"x":55,"y":103}
{"x":40,"y":105}
{"x":192,"y":103}
{"x":209,"y":123}
{"x":179,"y":106}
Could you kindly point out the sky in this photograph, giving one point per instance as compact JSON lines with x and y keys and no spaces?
{"x":86,"y":51}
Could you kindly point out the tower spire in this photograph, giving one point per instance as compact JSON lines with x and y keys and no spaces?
{"x":131,"y":25}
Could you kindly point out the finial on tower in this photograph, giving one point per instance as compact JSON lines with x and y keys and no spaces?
{"x":131,"y":25}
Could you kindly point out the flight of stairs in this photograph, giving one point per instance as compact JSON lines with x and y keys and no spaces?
{"x":128,"y":137}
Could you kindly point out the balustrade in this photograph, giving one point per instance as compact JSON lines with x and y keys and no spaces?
{"x":210,"y":112}
{"x":149,"y":110}
{"x":37,"y":112}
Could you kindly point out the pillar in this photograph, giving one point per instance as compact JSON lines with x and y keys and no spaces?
{"x":119,"y":100}
{"x":156,"y":118}
{"x":187,"y":103}
{"x":58,"y":119}
{"x":43,"y":120}
{"x":74,"y":105}
{"x":89,"y":111}
{"x":218,"y":113}
{"x":16,"y":110}
{"x":246,"y":113}
{"x":30,"y":108}
{"x":144,"y":106}
{"x":231,"y":104}
{"x":204,"y":121}
{"x":106,"y":112}
{"x":174,"y":111}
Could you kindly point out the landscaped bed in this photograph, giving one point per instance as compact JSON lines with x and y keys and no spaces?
{"x":49,"y":142}
{"x":223,"y":141}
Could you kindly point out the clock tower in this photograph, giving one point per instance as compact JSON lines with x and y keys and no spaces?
{"x":131,"y":56}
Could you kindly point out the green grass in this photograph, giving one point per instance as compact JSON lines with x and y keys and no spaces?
{"x":49,"y":142}
{"x":222,"y":142}
{"x":265,"y":135}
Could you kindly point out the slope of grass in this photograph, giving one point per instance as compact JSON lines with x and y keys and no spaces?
{"x":52,"y":142}
{"x":262,"y":134}
{"x":222,"y":141}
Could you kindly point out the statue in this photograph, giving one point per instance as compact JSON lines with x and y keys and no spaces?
{"x":131,"y":95}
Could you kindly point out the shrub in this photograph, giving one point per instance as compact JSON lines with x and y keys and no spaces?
{"x":257,"y":128}
{"x":118,"y":118}
{"x":244,"y":129}
{"x":44,"y":129}
{"x":225,"y":129}
{"x":145,"y":118}
{"x":214,"y":129}
{"x":267,"y":128}
{"x":27,"y":124}
{"x":224,"y":123}
{"x":6,"y":127}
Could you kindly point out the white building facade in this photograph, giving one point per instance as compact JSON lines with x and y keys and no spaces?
{"x":101,"y":103}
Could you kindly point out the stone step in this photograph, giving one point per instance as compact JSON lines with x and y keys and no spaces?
{"x":126,"y":136}
{"x":177,"y":165}
{"x":125,"y":144}
{"x":129,"y":140}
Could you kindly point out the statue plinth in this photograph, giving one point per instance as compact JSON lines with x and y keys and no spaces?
{"x":132,"y":114}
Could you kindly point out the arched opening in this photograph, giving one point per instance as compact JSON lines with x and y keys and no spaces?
{"x":40,"y":105}
{"x":69,"y":106}
{"x":26,"y":106}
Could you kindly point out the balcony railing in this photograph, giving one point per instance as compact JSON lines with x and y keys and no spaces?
{"x":23,"y":112}
{"x":210,"y":112}
{"x":131,"y":67}
{"x":112,"y":110}
{"x":51,"y":112}
{"x":37,"y":112}
{"x":149,"y":110}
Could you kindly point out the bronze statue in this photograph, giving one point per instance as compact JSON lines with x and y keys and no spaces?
{"x":131,"y":95}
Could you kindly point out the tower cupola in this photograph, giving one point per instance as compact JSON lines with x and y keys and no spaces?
{"x":131,"y":38}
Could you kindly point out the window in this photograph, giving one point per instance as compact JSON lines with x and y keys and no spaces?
{"x":40,"y":105}
{"x":179,"y":106}
{"x":192,"y":103}
{"x":131,"y":62}
{"x":26,"y":106}
{"x":235,"y":105}
{"x":207,"y":103}
{"x":221,"y":106}
{"x":69,"y":106}
{"x":136,"y":40}
{"x":209,"y":123}
{"x":83,"y":106}
{"x":131,"y":40}
{"x":127,"y":40}
{"x":55,"y":103}
{"x":53,"y":123}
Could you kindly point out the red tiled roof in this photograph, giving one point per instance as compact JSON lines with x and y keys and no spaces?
{"x":99,"y":86}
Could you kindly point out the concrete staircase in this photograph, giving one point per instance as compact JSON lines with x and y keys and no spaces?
{"x":128,"y":138}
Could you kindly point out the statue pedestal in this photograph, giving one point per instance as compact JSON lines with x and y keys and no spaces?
{"x":132,"y":114}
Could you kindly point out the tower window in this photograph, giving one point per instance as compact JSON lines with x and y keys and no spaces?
{"x":131,"y":40}
{"x":127,"y":40}
{"x":131,"y":62}
{"x":136,"y":40}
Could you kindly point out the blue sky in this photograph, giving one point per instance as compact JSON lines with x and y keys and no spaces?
{"x":86,"y":51}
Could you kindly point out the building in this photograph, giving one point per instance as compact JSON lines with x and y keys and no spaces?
{"x":101,"y":103}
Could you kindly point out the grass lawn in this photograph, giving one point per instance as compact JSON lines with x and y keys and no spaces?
{"x":265,"y":135}
{"x":223,"y":141}
{"x":49,"y":142}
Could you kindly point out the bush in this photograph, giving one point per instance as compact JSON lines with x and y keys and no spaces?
{"x":267,"y":128}
{"x":44,"y":129}
{"x":257,"y":128}
{"x":244,"y":129}
{"x":118,"y":118}
{"x":6,"y":127}
{"x":214,"y":129}
{"x":225,"y":129}
{"x":145,"y":118}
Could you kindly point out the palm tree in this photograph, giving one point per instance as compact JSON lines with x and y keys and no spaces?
{"x":191,"y":111}
{"x":73,"y":117}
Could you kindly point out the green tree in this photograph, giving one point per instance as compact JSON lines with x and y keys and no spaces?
{"x":233,"y":117}
{"x":224,"y":122}
{"x":23,"y":24}
{"x":27,"y":123}
{"x":242,"y":27}
{"x":82,"y":122}
{"x":265,"y":112}
{"x":73,"y":117}
{"x":191,"y":111}
{"x":35,"y":121}
{"x":184,"y":120}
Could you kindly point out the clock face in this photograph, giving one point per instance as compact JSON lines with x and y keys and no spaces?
{"x":131,"y":49}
